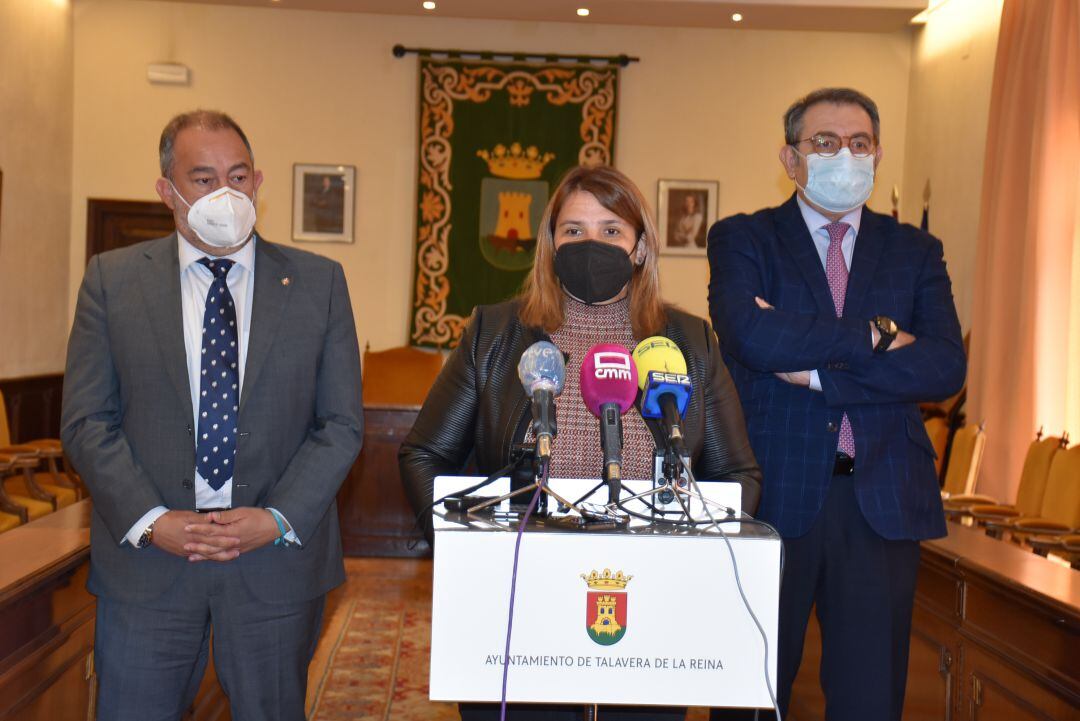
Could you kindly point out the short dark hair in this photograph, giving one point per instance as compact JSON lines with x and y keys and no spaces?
{"x":837,"y":96}
{"x":205,"y":119}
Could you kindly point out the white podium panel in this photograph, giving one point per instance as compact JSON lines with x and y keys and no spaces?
{"x":642,"y":616}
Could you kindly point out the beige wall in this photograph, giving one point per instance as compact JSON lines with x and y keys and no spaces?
{"x":35,"y":156}
{"x":323,"y":87}
{"x":952,"y":69}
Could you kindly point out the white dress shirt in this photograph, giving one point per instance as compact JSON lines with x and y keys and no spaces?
{"x":815,"y":223}
{"x":195,"y":282}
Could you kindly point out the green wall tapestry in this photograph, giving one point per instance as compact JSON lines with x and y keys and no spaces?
{"x":495,"y":138}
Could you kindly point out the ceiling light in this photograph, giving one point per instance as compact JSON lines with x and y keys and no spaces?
{"x":429,"y":5}
{"x":583,"y":12}
{"x":736,"y":17}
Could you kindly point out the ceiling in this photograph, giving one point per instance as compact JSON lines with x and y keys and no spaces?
{"x":846,"y":15}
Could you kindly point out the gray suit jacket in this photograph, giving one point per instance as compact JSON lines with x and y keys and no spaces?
{"x":128,"y":428}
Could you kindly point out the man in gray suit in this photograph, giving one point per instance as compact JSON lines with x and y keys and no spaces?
{"x":212,"y":405}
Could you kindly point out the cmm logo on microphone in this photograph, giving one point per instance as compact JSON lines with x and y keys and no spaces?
{"x":612,"y":365}
{"x":606,"y":606}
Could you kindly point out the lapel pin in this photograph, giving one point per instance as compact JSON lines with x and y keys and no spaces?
{"x":285,"y":280}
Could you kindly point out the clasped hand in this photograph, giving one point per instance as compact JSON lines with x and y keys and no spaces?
{"x":216,"y":536}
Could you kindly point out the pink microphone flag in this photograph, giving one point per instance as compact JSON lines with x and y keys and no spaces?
{"x":608,"y":375}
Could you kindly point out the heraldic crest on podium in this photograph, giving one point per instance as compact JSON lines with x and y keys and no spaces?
{"x":606,"y":606}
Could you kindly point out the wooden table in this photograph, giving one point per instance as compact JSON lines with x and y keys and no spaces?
{"x":995,"y":635}
{"x":47,"y":618}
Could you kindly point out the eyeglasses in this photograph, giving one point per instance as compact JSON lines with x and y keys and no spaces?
{"x":827,"y":145}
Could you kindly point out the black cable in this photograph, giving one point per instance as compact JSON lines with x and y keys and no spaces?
{"x":422,"y":513}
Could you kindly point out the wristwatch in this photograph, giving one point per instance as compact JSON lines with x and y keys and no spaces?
{"x":888,"y":329}
{"x":146,"y":538}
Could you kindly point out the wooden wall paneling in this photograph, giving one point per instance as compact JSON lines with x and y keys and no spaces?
{"x":33,"y":406}
{"x":376,"y":518}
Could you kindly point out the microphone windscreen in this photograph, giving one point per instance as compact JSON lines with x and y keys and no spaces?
{"x":657,"y":354}
{"x":542,"y":368}
{"x":608,"y":375}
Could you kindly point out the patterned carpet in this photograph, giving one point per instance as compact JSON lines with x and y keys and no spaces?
{"x":372,"y":658}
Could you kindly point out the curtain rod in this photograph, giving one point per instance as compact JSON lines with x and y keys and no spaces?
{"x":622,"y":61}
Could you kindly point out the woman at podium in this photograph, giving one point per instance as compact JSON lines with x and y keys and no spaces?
{"x":595,"y":279}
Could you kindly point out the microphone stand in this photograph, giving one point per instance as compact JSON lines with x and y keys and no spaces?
{"x":529,"y":462}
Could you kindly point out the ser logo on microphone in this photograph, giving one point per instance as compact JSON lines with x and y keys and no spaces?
{"x":610,"y":365}
{"x":660,"y":377}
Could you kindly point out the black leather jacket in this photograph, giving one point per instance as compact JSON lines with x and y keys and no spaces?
{"x":478,"y":407}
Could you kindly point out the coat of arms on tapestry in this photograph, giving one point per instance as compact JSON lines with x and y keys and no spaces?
{"x":495,"y":138}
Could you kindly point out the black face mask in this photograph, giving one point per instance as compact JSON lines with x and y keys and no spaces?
{"x":592,"y":271}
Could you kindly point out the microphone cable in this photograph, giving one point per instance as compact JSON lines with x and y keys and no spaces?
{"x":418,"y":523}
{"x":513,"y":582}
{"x":738,"y":581}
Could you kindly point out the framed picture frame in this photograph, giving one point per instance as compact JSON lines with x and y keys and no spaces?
{"x":684,"y":211}
{"x":323,"y":202}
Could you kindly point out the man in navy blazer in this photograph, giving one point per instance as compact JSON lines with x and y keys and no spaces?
{"x":835,"y":322}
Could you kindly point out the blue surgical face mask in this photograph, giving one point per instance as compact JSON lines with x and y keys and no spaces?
{"x":840,"y":183}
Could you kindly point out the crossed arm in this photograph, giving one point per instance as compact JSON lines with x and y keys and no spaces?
{"x":926,"y":362}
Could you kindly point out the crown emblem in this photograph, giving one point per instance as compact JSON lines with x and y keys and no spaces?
{"x":516,"y":162}
{"x":606,"y":581}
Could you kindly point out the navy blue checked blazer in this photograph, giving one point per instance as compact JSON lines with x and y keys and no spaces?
{"x":897,"y":271}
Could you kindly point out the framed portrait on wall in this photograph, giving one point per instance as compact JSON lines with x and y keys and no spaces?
{"x":323,"y":200}
{"x":684,"y":211}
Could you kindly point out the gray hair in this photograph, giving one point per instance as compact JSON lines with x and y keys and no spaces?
{"x":837,"y":96}
{"x":205,"y":119}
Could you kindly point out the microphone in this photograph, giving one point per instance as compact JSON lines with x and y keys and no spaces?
{"x":665,"y":387}
{"x":542,"y":371}
{"x":608,"y":388}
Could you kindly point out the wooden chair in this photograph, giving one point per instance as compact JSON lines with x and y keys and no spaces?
{"x":938,"y":430}
{"x":1028,"y":494}
{"x":964,"y":461}
{"x":1060,"y":513}
{"x":26,"y":507}
{"x":8,"y":508}
{"x":50,"y":477}
{"x":399,"y":376}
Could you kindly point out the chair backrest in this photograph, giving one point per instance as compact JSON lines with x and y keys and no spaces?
{"x":1061,"y":502}
{"x":400,"y":376}
{"x":938,"y":430}
{"x":964,"y":460}
{"x":1029,"y":494}
{"x":5,"y":429}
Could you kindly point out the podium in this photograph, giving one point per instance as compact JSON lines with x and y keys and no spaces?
{"x":642,"y":615}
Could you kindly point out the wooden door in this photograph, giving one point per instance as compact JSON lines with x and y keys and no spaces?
{"x":114,"y":224}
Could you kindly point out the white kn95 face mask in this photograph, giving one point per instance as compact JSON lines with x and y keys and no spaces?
{"x":223,"y":219}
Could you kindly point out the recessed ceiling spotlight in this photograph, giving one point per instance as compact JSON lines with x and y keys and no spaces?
{"x":736,"y":17}
{"x":583,"y":12}
{"x":429,"y":5}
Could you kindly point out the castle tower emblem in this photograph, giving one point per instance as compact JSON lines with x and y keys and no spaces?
{"x":606,"y":606}
{"x":511,"y":203}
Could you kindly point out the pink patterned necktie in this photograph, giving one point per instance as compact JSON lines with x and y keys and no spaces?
{"x":837,"y":272}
